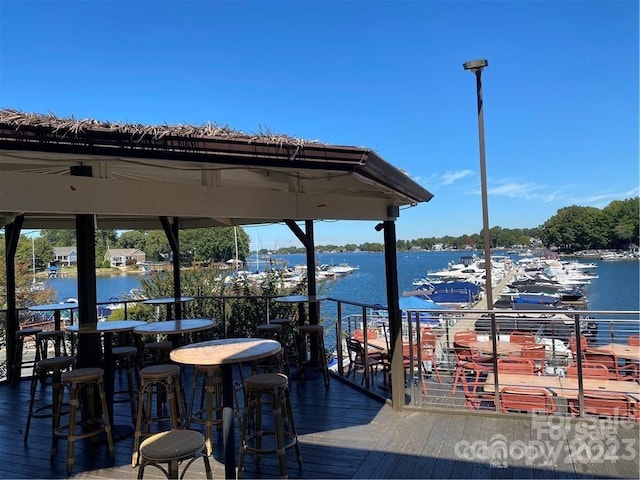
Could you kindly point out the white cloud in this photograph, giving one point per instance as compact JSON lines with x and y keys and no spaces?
{"x":450,"y":177}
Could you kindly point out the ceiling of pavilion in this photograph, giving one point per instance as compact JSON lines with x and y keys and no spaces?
{"x":206,"y":176}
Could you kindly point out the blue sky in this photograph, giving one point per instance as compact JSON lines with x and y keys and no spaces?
{"x":560,"y":91}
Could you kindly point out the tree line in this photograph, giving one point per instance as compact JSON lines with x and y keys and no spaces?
{"x":571,"y":229}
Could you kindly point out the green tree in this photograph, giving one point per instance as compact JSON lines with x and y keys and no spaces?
{"x":216,"y":244}
{"x":59,"y":238}
{"x":623,"y":222}
{"x":41,"y":249}
{"x":133,"y":239}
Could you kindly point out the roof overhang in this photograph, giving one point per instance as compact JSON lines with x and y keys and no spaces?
{"x":206,"y":176}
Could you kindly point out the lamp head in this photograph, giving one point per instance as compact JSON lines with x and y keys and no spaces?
{"x":475,"y":65}
{"x":379,"y":226}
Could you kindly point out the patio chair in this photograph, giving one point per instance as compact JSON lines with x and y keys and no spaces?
{"x":469,"y":360}
{"x":411,"y":362}
{"x":358,"y":334}
{"x":465,"y":336}
{"x":358,"y":360}
{"x":633,"y":340}
{"x":475,"y":398}
{"x":608,"y":358}
{"x":522,"y":337}
{"x":573,"y":345}
{"x":516,"y":365}
{"x":605,"y":404}
{"x":589,"y":370}
{"x":536,"y":352}
{"x":429,"y":341}
{"x":527,"y":399}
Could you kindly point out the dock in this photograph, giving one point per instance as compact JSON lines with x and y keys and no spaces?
{"x":468,"y":320}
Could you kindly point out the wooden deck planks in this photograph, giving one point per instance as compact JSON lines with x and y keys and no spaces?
{"x":343,"y":434}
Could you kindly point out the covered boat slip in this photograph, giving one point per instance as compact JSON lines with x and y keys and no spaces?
{"x":346,"y":434}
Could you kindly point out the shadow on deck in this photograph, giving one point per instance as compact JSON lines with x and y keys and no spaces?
{"x":345,"y":433}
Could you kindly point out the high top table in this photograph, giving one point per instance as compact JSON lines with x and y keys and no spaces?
{"x":56,"y":308}
{"x":225,"y":353}
{"x":107,"y":329}
{"x":174,"y":328}
{"x":168,"y":301}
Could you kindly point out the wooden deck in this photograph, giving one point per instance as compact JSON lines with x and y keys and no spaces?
{"x":345,"y":433}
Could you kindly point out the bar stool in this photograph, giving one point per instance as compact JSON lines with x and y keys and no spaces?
{"x":164,"y":381}
{"x":273,"y":389}
{"x":172,"y":448}
{"x":124,"y":358}
{"x":20,"y":362}
{"x":276,"y":362}
{"x":290,"y":350}
{"x":49,"y":367}
{"x":311,"y":339}
{"x":156,"y":353}
{"x":210,"y":401}
{"x":82,"y":380}
{"x":51,"y":340}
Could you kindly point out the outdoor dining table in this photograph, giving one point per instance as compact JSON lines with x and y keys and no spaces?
{"x":168,"y":301}
{"x":107,"y":329}
{"x":623,"y":350}
{"x":564,"y":387}
{"x":56,"y":308}
{"x":225,"y":353}
{"x":301,"y":300}
{"x":503,"y":348}
{"x":174,"y":328}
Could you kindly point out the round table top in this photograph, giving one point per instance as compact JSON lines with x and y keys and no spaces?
{"x":166,"y":300}
{"x":175,"y":326}
{"x":108,"y":326}
{"x":300,"y":298}
{"x":53,"y":306}
{"x":225,"y":351}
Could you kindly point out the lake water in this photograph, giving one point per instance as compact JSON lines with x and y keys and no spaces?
{"x":617,"y":288}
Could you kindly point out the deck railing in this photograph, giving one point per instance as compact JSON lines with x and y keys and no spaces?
{"x":430,"y":376}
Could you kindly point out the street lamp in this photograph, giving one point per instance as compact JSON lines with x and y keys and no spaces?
{"x":476,"y":67}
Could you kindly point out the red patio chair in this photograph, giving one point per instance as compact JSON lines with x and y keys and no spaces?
{"x":516,"y":365}
{"x":469,"y":360}
{"x":538,"y":353}
{"x":605,"y":404}
{"x":429,"y":342}
{"x":527,"y":399}
{"x":522,"y":337}
{"x":573,"y":347}
{"x":589,"y":370}
{"x":610,"y":360}
{"x":633,"y":340}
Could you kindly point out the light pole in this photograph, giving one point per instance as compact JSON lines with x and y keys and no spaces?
{"x":476,"y":67}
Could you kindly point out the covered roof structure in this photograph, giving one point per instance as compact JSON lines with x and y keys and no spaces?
{"x":206,"y":176}
{"x":63,"y":173}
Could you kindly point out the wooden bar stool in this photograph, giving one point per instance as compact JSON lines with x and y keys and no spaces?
{"x":209,"y":412}
{"x":20,"y":361}
{"x":289,"y":343}
{"x":311,"y":341}
{"x":124,"y":358}
{"x":90,"y":382}
{"x":49,"y":367}
{"x":274,"y":363}
{"x":49,"y":340}
{"x":164,"y":381}
{"x":156,"y":353}
{"x":271,"y":389}
{"x":174,"y":447}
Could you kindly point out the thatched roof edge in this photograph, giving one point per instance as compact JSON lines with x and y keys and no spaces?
{"x":138,"y":132}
